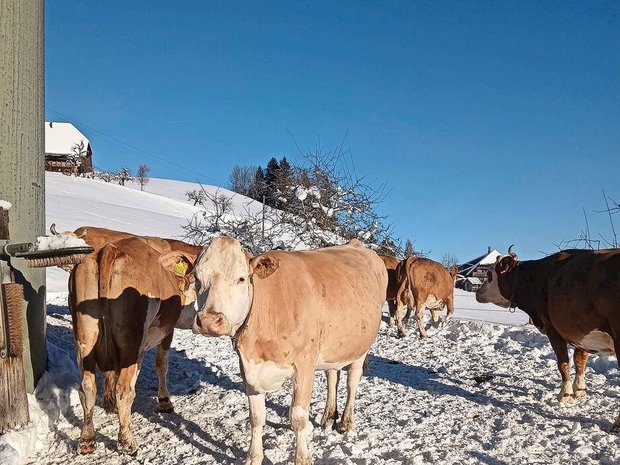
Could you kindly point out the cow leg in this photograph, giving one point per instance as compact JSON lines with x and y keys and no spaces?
{"x":356,"y":369}
{"x":109,"y":391}
{"x":419,"y":316}
{"x":87,"y":334}
{"x":435,"y":317}
{"x":580,"y":357}
{"x":161,"y":366}
{"x":330,"y":415}
{"x":88,"y":396}
{"x":258,"y":414}
{"x":392,"y":307}
{"x":300,"y":408}
{"x":450,"y":311}
{"x":399,"y":322}
{"x":561,"y":351}
{"x":125,"y":395}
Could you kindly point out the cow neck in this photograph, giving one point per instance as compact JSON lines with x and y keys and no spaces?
{"x":242,"y":325}
{"x":515,"y":280}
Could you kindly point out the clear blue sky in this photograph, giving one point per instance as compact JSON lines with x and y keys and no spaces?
{"x":491,"y":122}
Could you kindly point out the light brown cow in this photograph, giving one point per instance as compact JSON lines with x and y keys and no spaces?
{"x":571,"y":296}
{"x":423,"y":283}
{"x":392,"y":288}
{"x":125,"y":298}
{"x":292,"y":313}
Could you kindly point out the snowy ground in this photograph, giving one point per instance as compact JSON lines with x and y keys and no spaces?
{"x":476,"y":392}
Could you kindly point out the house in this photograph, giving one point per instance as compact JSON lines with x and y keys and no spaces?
{"x":66,"y":149}
{"x":473,"y":273}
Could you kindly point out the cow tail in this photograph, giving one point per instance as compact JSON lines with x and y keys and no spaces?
{"x":365,"y":364}
{"x":108,"y":254}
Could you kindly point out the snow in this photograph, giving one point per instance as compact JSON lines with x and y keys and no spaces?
{"x":480,"y":389}
{"x":61,"y":137}
{"x":58,"y":242}
{"x":5,"y":204}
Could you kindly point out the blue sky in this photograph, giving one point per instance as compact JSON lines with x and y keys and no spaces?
{"x":491,"y":122}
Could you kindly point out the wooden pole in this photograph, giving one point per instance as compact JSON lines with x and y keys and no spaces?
{"x":22,"y":176}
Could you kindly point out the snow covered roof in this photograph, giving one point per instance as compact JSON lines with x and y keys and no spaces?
{"x":61,"y":137}
{"x":474,"y":280}
{"x":486,"y":259}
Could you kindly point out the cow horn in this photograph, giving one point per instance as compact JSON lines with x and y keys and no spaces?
{"x":83,"y":234}
{"x":53,"y":229}
{"x":511,"y":253}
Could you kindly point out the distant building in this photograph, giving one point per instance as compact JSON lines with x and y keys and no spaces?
{"x":66,"y":149}
{"x":473,"y":273}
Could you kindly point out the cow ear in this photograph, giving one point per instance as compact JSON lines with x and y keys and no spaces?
{"x":263,"y":266}
{"x":506,"y":264}
{"x":179,"y":263}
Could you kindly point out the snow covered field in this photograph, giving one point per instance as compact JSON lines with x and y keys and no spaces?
{"x":481,"y":390}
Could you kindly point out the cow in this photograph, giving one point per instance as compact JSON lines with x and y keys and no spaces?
{"x":572,"y":296}
{"x":423,"y":283}
{"x":291,"y":313}
{"x":392,"y":288}
{"x":125,"y":298}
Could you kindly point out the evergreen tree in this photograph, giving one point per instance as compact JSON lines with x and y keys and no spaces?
{"x":258,"y":187}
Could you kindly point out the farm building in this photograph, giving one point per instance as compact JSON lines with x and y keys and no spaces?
{"x":66,"y":149}
{"x":473,"y":273}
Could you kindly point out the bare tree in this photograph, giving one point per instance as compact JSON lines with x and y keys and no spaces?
{"x":409,"y":250}
{"x":142,"y":175}
{"x":241,"y":179}
{"x":449,"y":260}
{"x":124,"y":175}
{"x":78,"y":152}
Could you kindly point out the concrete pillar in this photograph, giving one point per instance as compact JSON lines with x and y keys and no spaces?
{"x":22,"y":176}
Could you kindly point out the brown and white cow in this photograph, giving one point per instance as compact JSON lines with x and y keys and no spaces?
{"x":423,"y":283}
{"x":126,"y":298}
{"x":571,"y":296}
{"x":292,"y":313}
{"x":392,"y":287}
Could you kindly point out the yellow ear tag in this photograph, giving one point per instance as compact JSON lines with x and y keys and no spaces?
{"x":180,"y":268}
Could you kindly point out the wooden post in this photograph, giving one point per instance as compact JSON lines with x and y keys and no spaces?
{"x":22,"y":155}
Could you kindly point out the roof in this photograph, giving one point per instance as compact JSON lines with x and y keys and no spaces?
{"x":486,"y":259}
{"x":61,"y":137}
{"x":474,"y":280}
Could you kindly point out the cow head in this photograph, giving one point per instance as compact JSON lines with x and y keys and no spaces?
{"x":223,"y":286}
{"x":497,"y":287}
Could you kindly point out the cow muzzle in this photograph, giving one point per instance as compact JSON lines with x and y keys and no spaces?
{"x":212,"y":324}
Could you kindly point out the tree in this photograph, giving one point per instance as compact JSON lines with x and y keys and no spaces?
{"x":449,"y":260}
{"x":409,"y":250}
{"x":241,"y":179}
{"x":124,"y":175}
{"x":259,"y":187}
{"x":78,"y":152}
{"x":142,"y":175}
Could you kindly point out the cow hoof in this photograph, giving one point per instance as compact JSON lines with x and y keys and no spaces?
{"x":580,"y":392}
{"x":345,"y":425}
{"x":165,"y":406}
{"x":254,"y":460}
{"x":566,"y":398}
{"x":305,"y":460}
{"x":329,"y":422}
{"x":128,"y":447}
{"x":86,"y":447}
{"x":400,"y":334}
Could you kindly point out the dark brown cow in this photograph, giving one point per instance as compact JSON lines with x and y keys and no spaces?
{"x":571,"y":296}
{"x":126,"y":298}
{"x":423,"y":283}
{"x":392,"y":288}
